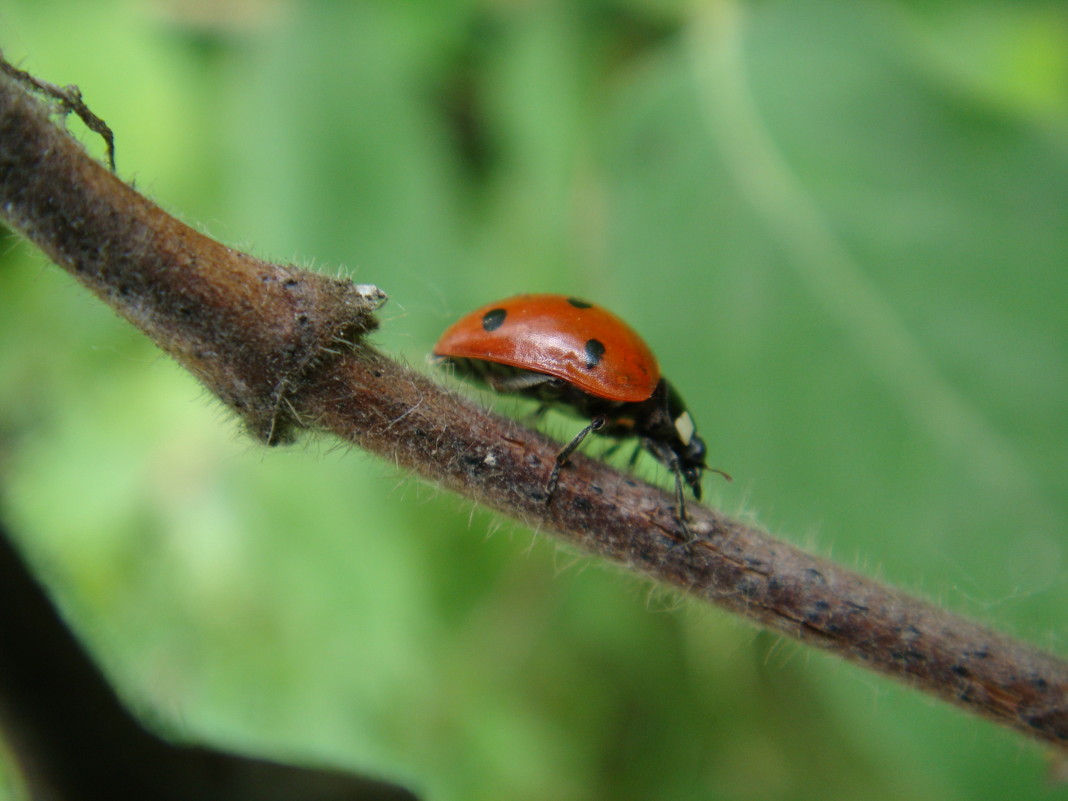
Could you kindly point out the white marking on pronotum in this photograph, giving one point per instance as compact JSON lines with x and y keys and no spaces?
{"x":685,"y":427}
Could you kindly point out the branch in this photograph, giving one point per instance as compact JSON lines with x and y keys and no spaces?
{"x":265,"y":338}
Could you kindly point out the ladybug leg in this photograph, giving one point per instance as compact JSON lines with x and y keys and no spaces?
{"x":670,"y":459}
{"x":634,"y":455}
{"x":612,"y":449}
{"x":562,"y":457}
{"x":680,"y":505}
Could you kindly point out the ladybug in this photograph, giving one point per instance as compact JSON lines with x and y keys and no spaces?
{"x":566,"y":352}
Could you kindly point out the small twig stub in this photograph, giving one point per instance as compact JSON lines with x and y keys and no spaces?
{"x":68,"y":99}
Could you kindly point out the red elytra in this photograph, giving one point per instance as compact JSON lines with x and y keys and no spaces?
{"x":585,"y":345}
{"x":565,"y":351}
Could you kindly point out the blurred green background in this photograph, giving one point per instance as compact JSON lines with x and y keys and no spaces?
{"x":842,"y":226}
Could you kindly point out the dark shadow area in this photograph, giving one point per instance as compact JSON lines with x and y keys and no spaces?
{"x":71,"y":738}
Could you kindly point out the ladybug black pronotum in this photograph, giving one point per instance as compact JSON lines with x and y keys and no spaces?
{"x":564,"y":351}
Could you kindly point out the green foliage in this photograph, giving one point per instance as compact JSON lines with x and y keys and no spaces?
{"x":842,"y":227}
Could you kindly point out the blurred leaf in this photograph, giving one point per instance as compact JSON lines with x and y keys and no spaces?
{"x":842,"y":229}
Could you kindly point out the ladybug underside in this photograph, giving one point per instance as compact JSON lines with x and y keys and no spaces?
{"x":656,"y":421}
{"x":621,"y":417}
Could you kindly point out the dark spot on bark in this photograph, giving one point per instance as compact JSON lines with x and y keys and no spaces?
{"x":750,"y":588}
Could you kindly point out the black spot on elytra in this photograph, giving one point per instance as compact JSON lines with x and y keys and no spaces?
{"x":579,"y":304}
{"x":493,"y":319}
{"x":594,"y":352}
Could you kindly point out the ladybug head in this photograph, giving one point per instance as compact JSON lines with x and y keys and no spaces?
{"x":692,"y":463}
{"x":687,"y":447}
